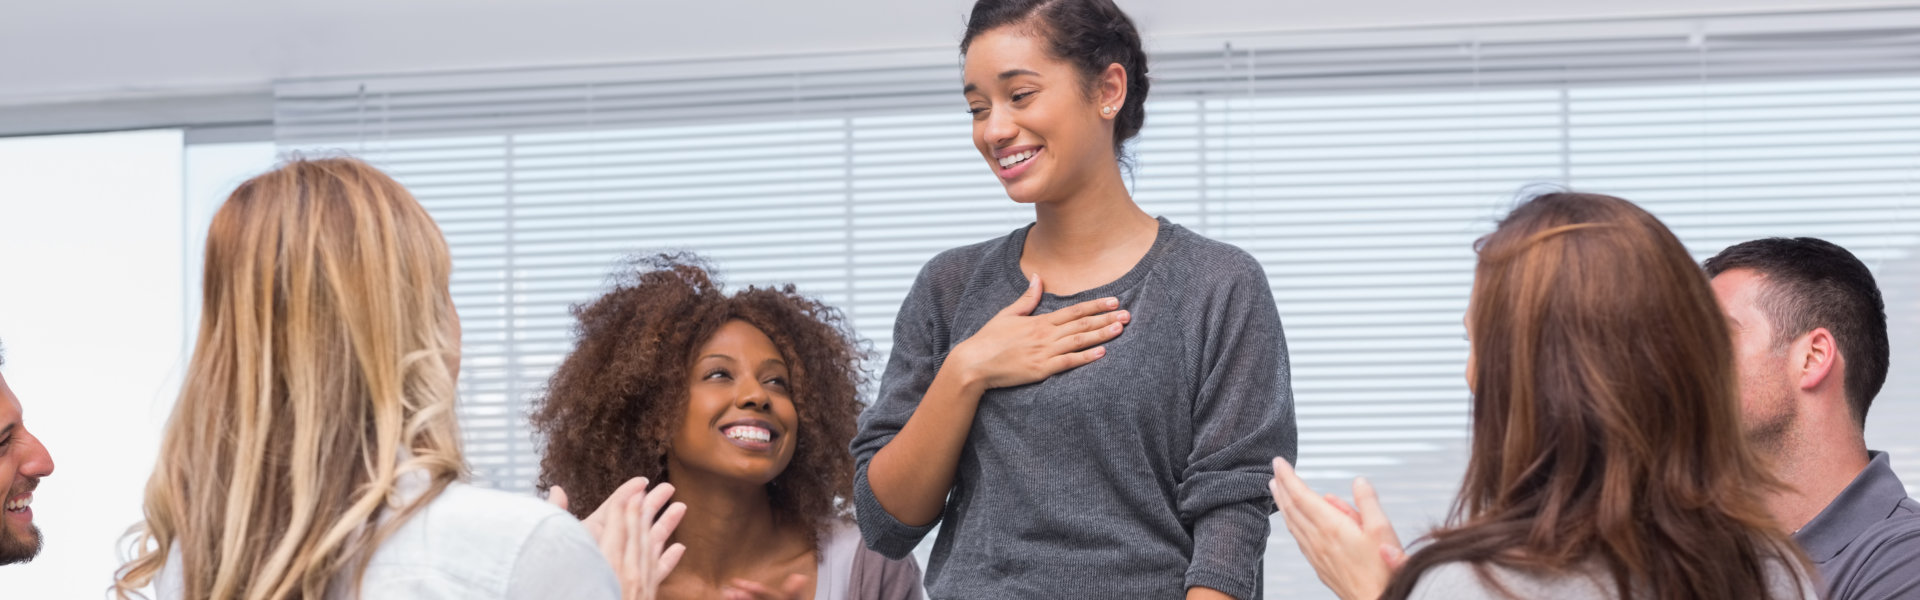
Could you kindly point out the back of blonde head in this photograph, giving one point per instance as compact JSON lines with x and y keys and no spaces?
{"x":325,"y":355}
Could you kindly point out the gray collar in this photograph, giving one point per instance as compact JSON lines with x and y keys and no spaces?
{"x":1870,"y":499}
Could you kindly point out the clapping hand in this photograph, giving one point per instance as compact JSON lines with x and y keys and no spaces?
{"x":1352,"y":548}
{"x":630,"y":536}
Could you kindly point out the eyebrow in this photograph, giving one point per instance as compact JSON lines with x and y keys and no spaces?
{"x":764,"y":363}
{"x":1004,"y":75}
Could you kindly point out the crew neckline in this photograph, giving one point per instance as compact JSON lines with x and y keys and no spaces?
{"x":1017,"y":248}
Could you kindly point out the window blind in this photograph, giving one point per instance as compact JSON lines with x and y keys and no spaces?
{"x":1359,"y":174}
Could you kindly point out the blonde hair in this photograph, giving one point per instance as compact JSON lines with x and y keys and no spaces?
{"x":326,"y":355}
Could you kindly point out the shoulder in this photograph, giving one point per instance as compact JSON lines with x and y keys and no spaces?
{"x":951,"y":274}
{"x":1223,"y":274}
{"x":1892,"y":545}
{"x":510,"y":519}
{"x":954,"y":266}
{"x":467,"y":527}
{"x":1205,"y":257}
{"x":1464,"y":580}
{"x":471,"y":542}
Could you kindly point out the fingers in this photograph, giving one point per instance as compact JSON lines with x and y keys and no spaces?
{"x":1073,"y":360}
{"x":790,"y":589}
{"x":1096,"y":322}
{"x":1368,"y":502}
{"x":1082,"y":310}
{"x":662,"y":531}
{"x":656,"y":500}
{"x":742,"y":589}
{"x":1303,"y":530}
{"x":1080,"y":341}
{"x":557,"y":497}
{"x":614,"y":503}
{"x":795,"y":584}
{"x":668,"y":560}
{"x":1303,"y":498}
{"x":613,"y":537}
{"x":1028,"y":301}
{"x":1349,"y":511}
{"x":646,"y":536}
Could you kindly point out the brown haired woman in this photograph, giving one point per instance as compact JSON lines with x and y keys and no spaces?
{"x":1607,"y":459}
{"x":746,"y":404}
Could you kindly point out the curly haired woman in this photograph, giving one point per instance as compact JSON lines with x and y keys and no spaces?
{"x":746,"y":403}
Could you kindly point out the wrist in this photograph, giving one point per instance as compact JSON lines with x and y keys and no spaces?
{"x":961,"y":375}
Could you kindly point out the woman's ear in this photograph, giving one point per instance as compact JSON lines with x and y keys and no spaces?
{"x":1111,"y":90}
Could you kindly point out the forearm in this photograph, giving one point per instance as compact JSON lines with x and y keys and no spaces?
{"x":912,"y":474}
{"x":1206,"y":593}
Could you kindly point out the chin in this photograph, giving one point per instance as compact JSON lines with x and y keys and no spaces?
{"x":1025,"y":193}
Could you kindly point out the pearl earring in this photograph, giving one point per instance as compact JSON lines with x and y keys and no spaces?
{"x":1107,"y":110}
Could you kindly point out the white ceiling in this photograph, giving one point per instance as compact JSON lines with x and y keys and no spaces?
{"x":67,"y":50}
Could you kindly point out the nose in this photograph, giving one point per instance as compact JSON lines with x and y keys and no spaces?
{"x":39,"y":462}
{"x":752,"y":396}
{"x":999,"y":130}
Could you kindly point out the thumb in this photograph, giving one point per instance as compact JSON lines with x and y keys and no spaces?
{"x":557,"y":497}
{"x":1028,"y":301}
{"x":1394,"y":556}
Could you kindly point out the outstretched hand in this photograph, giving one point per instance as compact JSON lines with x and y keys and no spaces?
{"x":1353,"y":549}
{"x":632,"y":531}
{"x":1017,"y":347}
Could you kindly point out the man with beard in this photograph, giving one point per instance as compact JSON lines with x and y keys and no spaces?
{"x":1810,"y":343}
{"x":23,"y":461}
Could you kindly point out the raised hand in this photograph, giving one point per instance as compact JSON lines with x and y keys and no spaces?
{"x":1017,"y":347}
{"x":630,"y":536}
{"x":596,"y":522}
{"x":1353,"y":549}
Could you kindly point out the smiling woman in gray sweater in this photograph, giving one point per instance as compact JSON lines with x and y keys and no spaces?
{"x":1086,"y":406}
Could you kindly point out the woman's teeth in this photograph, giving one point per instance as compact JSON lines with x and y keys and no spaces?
{"x":1008,"y":162}
{"x":20,"y":504}
{"x":749,"y":433}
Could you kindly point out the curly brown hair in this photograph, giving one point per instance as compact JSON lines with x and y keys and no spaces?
{"x":610,"y":411}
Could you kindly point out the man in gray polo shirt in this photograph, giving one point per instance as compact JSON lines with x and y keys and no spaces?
{"x":1810,"y":339}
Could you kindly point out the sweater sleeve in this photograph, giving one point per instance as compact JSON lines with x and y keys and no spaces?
{"x":919,"y":348}
{"x":1242,"y":419}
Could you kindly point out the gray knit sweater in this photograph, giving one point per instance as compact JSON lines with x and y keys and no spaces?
{"x":1137,"y":476}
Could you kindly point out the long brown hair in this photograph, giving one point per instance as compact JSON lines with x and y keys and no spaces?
{"x":1606,"y":425}
{"x":326,"y":354}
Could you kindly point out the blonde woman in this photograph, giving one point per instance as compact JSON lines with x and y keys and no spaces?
{"x":314,"y":451}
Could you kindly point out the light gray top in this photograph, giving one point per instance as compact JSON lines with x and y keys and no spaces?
{"x":1461,"y":581}
{"x":472,"y":543}
{"x":1137,"y":476}
{"x":1866,"y":543}
{"x":849,"y":571}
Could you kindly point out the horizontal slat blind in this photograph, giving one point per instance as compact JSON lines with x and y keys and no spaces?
{"x":1359,"y":176}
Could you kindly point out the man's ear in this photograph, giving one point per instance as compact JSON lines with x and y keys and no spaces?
{"x":1819,"y":359}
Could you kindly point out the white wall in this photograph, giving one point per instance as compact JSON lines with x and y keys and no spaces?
{"x":101,"y":49}
{"x":90,"y":308}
